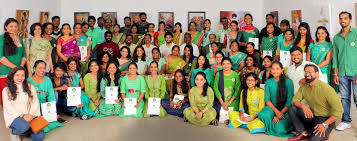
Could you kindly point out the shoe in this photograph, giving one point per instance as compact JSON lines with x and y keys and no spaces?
{"x":343,"y":126}
{"x":61,"y":120}
{"x":298,"y":137}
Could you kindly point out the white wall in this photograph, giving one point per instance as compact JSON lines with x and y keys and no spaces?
{"x":310,"y":11}
{"x":179,"y":7}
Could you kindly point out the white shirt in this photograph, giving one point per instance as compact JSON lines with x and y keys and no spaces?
{"x":165,"y":50}
{"x":196,"y":52}
{"x":148,"y":51}
{"x":298,"y":73}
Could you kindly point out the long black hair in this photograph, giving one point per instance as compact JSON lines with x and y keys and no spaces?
{"x":179,"y":24}
{"x":12,"y":87}
{"x":116,"y":75}
{"x":205,"y":86}
{"x":184,"y":83}
{"x":136,"y":57}
{"x":9,"y":44}
{"x":76,"y":61}
{"x":281,"y":92}
{"x":308,"y":35}
{"x":158,"y":27}
{"x":206,"y":64}
{"x":69,"y":26}
{"x":102,"y":55}
{"x":44,"y":26}
{"x":254,"y":60}
{"x":36,"y":64}
{"x":327,"y":39}
{"x":275,"y":32}
{"x":265,"y":70}
{"x":184,"y":57}
{"x":245,"y":91}
{"x":99,"y":73}
{"x":128,"y":49}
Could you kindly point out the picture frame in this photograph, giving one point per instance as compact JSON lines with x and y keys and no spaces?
{"x":169,"y":19}
{"x":135,"y":17}
{"x":111,"y":15}
{"x":198,"y":17}
{"x":80,"y":17}
{"x":44,"y":17}
{"x":23,"y":17}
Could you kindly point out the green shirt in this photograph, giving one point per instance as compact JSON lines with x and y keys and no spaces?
{"x":95,"y":36}
{"x":345,"y":53}
{"x":219,"y":34}
{"x":14,"y":58}
{"x":321,"y":98}
{"x":232,"y":86}
{"x":269,"y":43}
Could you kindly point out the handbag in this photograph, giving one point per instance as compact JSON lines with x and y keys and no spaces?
{"x":38,"y":123}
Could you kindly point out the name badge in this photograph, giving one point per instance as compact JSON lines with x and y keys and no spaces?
{"x":353,"y":43}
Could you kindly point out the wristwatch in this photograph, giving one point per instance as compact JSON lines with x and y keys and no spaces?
{"x":325,"y":125}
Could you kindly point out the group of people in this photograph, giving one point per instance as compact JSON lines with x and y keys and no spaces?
{"x":205,"y":77}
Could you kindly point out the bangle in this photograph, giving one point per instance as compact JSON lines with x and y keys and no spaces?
{"x":334,"y":74}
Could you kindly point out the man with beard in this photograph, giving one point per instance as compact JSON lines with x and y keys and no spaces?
{"x":56,"y":21}
{"x":315,"y":120}
{"x":93,"y":34}
{"x":108,"y":25}
{"x":225,"y":29}
{"x":143,"y":25}
{"x":207,"y":49}
{"x":108,"y":46}
{"x":188,"y":41}
{"x":129,"y":43}
{"x":296,"y":71}
{"x":127,"y":28}
{"x":101,"y":29}
{"x":166,"y":48}
{"x":345,"y":67}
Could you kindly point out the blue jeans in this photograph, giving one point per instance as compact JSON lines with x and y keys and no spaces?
{"x":347,"y":84}
{"x":20,"y":126}
{"x":63,"y":108}
{"x":176,"y":112}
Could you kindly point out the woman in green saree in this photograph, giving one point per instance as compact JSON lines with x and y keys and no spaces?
{"x":174,"y":62}
{"x":159,"y":36}
{"x":124,"y":60}
{"x":320,"y":52}
{"x":118,"y":37}
{"x":197,"y":36}
{"x":137,"y":38}
{"x":246,"y":32}
{"x":237,"y":57}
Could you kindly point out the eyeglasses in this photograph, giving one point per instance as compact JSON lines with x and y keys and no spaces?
{"x":49,"y":28}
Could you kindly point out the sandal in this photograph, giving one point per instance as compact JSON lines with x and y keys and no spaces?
{"x":185,"y":119}
{"x":214,"y":122}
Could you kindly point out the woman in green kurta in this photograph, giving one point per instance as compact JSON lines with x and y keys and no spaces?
{"x":191,"y":61}
{"x":156,"y":88}
{"x":76,"y":81}
{"x":83,"y":41}
{"x":47,"y":32}
{"x":117,"y":38}
{"x":38,"y":48}
{"x":279,"y":92}
{"x":133,"y":86}
{"x":269,"y":41}
{"x":236,"y":57}
{"x":286,"y":44}
{"x":201,"y":98}
{"x":44,"y":88}
{"x":111,"y":79}
{"x":202,"y":66}
{"x":226,"y":87}
{"x":246,"y":32}
{"x":320,"y":52}
{"x":92,"y":82}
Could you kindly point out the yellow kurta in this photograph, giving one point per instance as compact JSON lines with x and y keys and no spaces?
{"x":255,"y":102}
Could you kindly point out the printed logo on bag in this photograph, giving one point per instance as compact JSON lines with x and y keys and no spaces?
{"x":353,"y":43}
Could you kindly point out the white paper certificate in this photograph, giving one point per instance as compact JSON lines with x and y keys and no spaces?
{"x":177,"y":98}
{"x":255,"y":41}
{"x":49,"y":111}
{"x":243,"y":122}
{"x":262,"y":86}
{"x":285,"y":58}
{"x":111,"y":94}
{"x":223,"y":114}
{"x":129,"y":104}
{"x":73,"y":96}
{"x":83,"y":50}
{"x":154,"y":106}
{"x":268,"y":52}
{"x":304,"y":56}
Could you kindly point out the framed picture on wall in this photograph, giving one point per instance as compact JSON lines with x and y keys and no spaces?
{"x":110,"y":15}
{"x":44,"y":17}
{"x":198,"y":18}
{"x":234,"y":16}
{"x":296,"y":19}
{"x":168,"y":18}
{"x":80,"y":17}
{"x":22,"y":16}
{"x":135,"y":17}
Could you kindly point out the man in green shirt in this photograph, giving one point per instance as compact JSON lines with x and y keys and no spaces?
{"x":323,"y":108}
{"x":207,"y":49}
{"x":221,"y":32}
{"x":344,"y":66}
{"x":94,"y":35}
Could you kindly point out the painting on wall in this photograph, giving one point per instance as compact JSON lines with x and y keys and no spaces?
{"x":276,"y":17}
{"x":22,"y":16}
{"x":135,"y":17}
{"x":296,"y":19}
{"x":234,"y":16}
{"x":44,"y":17}
{"x":81,"y":17}
{"x":110,"y":15}
{"x":168,"y":18}
{"x":198,"y":18}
